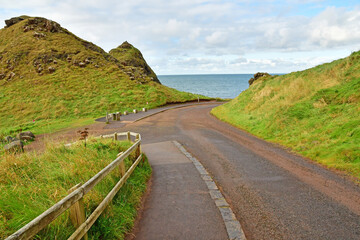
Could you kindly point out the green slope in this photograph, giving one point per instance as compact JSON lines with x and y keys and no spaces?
{"x":315,"y":112}
{"x":50,"y":78}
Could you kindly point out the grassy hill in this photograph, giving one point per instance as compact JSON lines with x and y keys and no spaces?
{"x":315,"y":112}
{"x":50,"y":78}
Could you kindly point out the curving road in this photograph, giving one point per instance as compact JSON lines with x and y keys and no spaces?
{"x":273,"y":193}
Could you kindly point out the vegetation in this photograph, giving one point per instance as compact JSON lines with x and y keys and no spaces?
{"x":316,"y":112}
{"x":132,"y":59}
{"x":31,"y":183}
{"x":51,"y":79}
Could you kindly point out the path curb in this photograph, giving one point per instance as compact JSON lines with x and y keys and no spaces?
{"x":233,"y":227}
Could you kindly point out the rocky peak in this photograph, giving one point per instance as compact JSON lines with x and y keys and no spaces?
{"x":35,"y":23}
{"x":14,"y":20}
{"x":126,"y":45}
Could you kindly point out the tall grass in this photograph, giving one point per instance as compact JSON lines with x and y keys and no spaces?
{"x":315,"y":112}
{"x":31,"y":183}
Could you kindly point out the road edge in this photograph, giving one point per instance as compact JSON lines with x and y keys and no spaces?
{"x":233,"y":226}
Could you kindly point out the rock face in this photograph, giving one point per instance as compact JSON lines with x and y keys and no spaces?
{"x":14,"y":20}
{"x":16,"y":146}
{"x":133,"y":63}
{"x":9,"y":139}
{"x":25,"y":136}
{"x":257,"y":76}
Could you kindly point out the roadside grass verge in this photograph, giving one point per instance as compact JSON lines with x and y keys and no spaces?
{"x":315,"y":112}
{"x":30,"y":183}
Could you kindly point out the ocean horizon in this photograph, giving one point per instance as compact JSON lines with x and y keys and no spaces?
{"x":210,"y":85}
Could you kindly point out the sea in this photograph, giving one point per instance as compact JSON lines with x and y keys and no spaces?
{"x":211,"y":85}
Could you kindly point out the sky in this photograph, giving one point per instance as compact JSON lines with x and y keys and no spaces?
{"x":210,"y":36}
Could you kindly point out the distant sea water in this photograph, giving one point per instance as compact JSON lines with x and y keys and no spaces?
{"x":211,"y":85}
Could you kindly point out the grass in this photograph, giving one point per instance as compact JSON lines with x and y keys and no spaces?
{"x":315,"y":112}
{"x":31,"y":183}
{"x":72,"y":93}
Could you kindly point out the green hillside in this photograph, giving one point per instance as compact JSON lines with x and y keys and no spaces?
{"x":50,"y":78}
{"x":315,"y":112}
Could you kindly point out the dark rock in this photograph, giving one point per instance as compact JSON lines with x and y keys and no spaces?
{"x":82,"y":64}
{"x":55,"y":62}
{"x":14,"y":20}
{"x":87,"y":61}
{"x":28,"y":135}
{"x":51,"y":69}
{"x":15,"y":146}
{"x":36,"y":62}
{"x":9,"y":139}
{"x":52,"y":26}
{"x":257,"y":76}
{"x":11,"y":75}
{"x":39,"y":70}
{"x":69,"y":59}
{"x":39,"y":35}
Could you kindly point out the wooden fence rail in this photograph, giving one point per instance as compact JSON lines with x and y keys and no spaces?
{"x":44,"y":219}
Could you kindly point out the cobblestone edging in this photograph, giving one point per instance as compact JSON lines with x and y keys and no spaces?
{"x":232,"y":225}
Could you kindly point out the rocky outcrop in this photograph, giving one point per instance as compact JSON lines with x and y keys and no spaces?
{"x":25,"y":136}
{"x":15,"y":20}
{"x":51,"y":69}
{"x":10,"y":139}
{"x":257,"y":76}
{"x":15,"y":146}
{"x":133,"y":63}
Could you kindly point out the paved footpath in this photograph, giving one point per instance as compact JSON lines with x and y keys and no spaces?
{"x":179,"y":205}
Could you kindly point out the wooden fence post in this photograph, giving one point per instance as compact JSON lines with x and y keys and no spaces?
{"x":128,"y":136}
{"x":107,"y":118}
{"x":114,"y":116}
{"x":77,"y":211}
{"x":137,"y":151}
{"x":115,"y":136}
{"x":118,"y":116}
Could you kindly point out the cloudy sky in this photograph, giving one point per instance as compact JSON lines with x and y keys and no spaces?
{"x":210,"y":36}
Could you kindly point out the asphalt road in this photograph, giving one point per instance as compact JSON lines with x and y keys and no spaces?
{"x":273,"y":193}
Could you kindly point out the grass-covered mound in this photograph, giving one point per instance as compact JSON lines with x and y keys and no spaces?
{"x":50,"y":78}
{"x":316,"y":112}
{"x":31,"y":183}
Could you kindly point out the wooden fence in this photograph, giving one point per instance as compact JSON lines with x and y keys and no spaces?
{"x":74,"y":200}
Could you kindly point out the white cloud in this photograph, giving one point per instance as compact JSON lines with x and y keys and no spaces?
{"x":335,"y":27}
{"x":207,"y":35}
